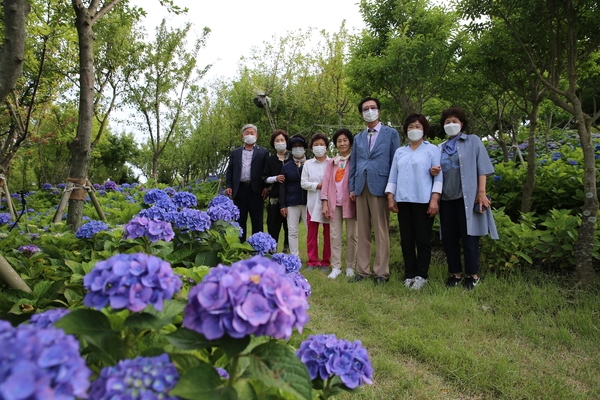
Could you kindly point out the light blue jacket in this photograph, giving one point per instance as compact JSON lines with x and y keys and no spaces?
{"x":373,"y":167}
{"x":474,"y":161}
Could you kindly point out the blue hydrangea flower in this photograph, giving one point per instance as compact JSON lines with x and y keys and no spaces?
{"x":138,"y":378}
{"x":166,"y":204}
{"x":222,"y":373}
{"x":193,"y":220}
{"x":153,"y":195}
{"x":47,"y":186}
{"x":131,"y":281}
{"x":96,"y":186}
{"x":61,"y":186}
{"x":222,"y":208}
{"x":29,"y":249}
{"x":40,"y":363}
{"x":102,"y":192}
{"x":110,"y":185}
{"x":326,"y":355}
{"x":48,"y":317}
{"x":155,"y":212}
{"x":89,"y":229}
{"x":5,"y":218}
{"x":497,"y":178}
{"x":262,"y":243}
{"x":185,"y":200}
{"x":170,"y":191}
{"x":556,"y":156}
{"x":252,"y":297}
{"x":301,"y":282}
{"x":291,"y":262}
{"x":573,"y":162}
{"x":151,"y":228}
{"x":125,"y":185}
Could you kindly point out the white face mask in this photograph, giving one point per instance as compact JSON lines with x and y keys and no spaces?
{"x":280,"y":147}
{"x":414,"y":134}
{"x":298,"y":152}
{"x":452,"y":129}
{"x":371,"y":115}
{"x":319,"y":151}
{"x":250,"y":139}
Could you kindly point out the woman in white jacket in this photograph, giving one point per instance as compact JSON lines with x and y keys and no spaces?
{"x":312,"y":181}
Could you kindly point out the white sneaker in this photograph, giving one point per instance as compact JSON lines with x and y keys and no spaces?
{"x":408,"y":282}
{"x":418,"y":283}
{"x":349,"y":272}
{"x":334,"y":273}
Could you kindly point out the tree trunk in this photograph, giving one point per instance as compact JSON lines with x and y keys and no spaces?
{"x":11,"y":52}
{"x":530,"y":179}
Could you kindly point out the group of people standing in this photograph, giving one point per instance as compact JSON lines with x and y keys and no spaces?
{"x":370,"y":176}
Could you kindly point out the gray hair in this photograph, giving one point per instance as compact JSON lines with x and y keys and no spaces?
{"x":249,"y":126}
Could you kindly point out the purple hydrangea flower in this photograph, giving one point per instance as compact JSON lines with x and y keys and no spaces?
{"x":96,"y":186}
{"x":40,"y":363}
{"x":252,"y":297}
{"x":153,"y":195}
{"x":5,"y":218}
{"x":291,"y":262}
{"x":61,"y":186}
{"x":47,"y":186}
{"x":170,"y":191}
{"x":497,"y":178}
{"x":262,"y":243}
{"x":573,"y":162}
{"x":29,"y":249}
{"x":222,"y":373}
{"x":326,"y":355}
{"x":151,"y":228}
{"x":185,"y":200}
{"x":138,"y":378}
{"x":155,"y":212}
{"x":110,"y":185}
{"x":130,"y":281}
{"x":556,"y":156}
{"x":222,"y":208}
{"x":102,"y":192}
{"x":89,"y":230}
{"x":193,"y":220}
{"x":48,"y":317}
{"x":165,"y":204}
{"x":300,"y":281}
{"x":125,"y":185}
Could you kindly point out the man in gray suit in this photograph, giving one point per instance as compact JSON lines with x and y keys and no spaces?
{"x":244,"y":180}
{"x":372,"y":156}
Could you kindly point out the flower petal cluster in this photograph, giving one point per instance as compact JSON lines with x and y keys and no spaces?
{"x":29,"y":249}
{"x":61,"y":186}
{"x":252,"y":296}
{"x":48,"y":317}
{"x":154,"y":212}
{"x":5,"y":218}
{"x":138,"y":378}
{"x":222,"y":208}
{"x":291,"y":262}
{"x":38,"y":363}
{"x":153,"y":229}
{"x":189,"y":219}
{"x":47,"y":186}
{"x":326,"y":355}
{"x":89,"y":229}
{"x":130,"y":281}
{"x":153,"y":195}
{"x":166,"y":204}
{"x":262,"y":243}
{"x":110,"y":185}
{"x":222,"y":373}
{"x":300,"y":281}
{"x":170,"y":191}
{"x":185,"y":200}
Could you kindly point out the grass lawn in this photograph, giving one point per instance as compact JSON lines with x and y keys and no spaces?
{"x":519,"y":336}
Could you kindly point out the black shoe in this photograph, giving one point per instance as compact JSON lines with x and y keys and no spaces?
{"x":470,"y":282}
{"x":380,"y":280}
{"x":453,"y":281}
{"x":357,"y":278}
{"x":286,"y":249}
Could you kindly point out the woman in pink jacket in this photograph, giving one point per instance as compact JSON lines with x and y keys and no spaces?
{"x":338,"y":207}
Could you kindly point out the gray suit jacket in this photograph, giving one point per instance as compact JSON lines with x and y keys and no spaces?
{"x":373,"y":167}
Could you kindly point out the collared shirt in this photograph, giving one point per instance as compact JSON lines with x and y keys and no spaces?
{"x":374,"y":133}
{"x":410,"y":180}
{"x":246,"y":164}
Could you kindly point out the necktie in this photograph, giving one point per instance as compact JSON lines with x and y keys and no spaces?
{"x":371,"y":131}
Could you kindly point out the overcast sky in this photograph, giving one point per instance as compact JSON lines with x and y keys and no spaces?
{"x":238,"y":25}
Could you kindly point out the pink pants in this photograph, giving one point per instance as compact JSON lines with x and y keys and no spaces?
{"x":312,"y":244}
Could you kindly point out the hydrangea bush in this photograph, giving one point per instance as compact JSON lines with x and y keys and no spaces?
{"x":90,"y":229}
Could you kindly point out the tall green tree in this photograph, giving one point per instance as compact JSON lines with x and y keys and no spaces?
{"x":11,"y":52}
{"x":561,"y":40}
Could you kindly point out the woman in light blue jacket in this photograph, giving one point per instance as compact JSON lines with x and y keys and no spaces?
{"x":465,"y":213}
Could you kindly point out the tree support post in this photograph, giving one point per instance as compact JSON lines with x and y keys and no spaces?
{"x":10,"y":276}
{"x":74,"y":190}
{"x":4,"y":190}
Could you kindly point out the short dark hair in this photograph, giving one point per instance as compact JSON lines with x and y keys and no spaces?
{"x":455,"y":112}
{"x":345,"y":132}
{"x":318,"y":136}
{"x":363,"y":101}
{"x":416,"y":117}
{"x":277,"y":133}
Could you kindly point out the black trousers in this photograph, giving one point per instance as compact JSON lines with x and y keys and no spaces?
{"x":415,"y":238}
{"x":453,"y":223}
{"x":249,"y":203}
{"x":274,"y":223}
